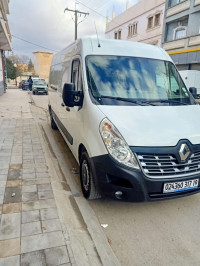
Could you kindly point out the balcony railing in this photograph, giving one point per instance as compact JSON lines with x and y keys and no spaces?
{"x":174,"y":44}
{"x":178,"y":8}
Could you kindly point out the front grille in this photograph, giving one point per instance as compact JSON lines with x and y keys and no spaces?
{"x":161,"y":165}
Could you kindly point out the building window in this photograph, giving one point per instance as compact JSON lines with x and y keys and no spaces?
{"x":132,"y":29}
{"x":157,"y":20}
{"x":117,"y":35}
{"x":150,"y":23}
{"x":174,"y":2}
{"x":179,"y":33}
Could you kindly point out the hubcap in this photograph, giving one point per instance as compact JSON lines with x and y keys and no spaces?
{"x":85,"y":175}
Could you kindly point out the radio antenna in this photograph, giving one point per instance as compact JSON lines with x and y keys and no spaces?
{"x":97,"y":34}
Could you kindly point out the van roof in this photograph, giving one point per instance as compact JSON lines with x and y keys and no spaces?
{"x":89,"y":46}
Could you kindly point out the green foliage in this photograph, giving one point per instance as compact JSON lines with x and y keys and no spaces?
{"x":11,"y":69}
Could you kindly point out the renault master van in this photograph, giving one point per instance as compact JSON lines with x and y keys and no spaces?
{"x":128,"y":119}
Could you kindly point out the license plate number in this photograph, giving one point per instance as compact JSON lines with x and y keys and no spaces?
{"x":180,"y":186}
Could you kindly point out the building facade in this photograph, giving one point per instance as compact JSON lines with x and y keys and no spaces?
{"x":5,"y":42}
{"x":42,"y":63}
{"x":181,"y":33}
{"x":142,"y":22}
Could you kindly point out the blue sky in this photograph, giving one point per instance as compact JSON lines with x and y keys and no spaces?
{"x":46,"y":24}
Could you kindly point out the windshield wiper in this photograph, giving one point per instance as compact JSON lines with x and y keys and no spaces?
{"x":138,"y":102}
{"x":170,"y":101}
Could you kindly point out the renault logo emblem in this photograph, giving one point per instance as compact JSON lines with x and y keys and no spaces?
{"x":184,"y":152}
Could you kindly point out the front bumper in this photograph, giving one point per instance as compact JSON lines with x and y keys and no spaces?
{"x":134,"y":185}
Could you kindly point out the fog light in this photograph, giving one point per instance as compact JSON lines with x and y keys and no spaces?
{"x":119,"y":194}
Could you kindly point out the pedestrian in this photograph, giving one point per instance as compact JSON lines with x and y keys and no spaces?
{"x":30,"y":83}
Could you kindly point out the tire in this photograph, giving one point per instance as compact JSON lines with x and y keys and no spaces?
{"x":33,"y":93}
{"x":53,"y":123}
{"x":88,"y":181}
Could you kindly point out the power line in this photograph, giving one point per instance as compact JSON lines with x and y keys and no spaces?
{"x":33,"y":43}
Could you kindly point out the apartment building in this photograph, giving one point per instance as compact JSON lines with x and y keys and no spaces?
{"x":142,"y":22}
{"x":181,"y":33}
{"x":5,"y":42}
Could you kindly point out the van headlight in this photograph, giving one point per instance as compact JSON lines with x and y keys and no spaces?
{"x":116,"y":145}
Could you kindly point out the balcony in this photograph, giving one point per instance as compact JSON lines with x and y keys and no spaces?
{"x":174,"y":44}
{"x":195,"y":40}
{"x":196,"y":2}
{"x":178,"y":8}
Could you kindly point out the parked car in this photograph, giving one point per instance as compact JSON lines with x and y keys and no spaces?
{"x":21,"y":83}
{"x":25,"y":85}
{"x":128,"y":118}
{"x":39,"y":86}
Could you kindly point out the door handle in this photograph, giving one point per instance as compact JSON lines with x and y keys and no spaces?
{"x":62,"y":104}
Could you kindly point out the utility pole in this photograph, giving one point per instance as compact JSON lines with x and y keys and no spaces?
{"x":76,"y":12}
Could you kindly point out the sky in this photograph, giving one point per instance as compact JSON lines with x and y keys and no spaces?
{"x":44,"y":22}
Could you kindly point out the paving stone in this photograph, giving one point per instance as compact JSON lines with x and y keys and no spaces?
{"x":28,"y":182}
{"x":2,"y":184}
{"x":32,"y":228}
{"x":36,"y":258}
{"x":4,"y":165}
{"x":47,"y":214}
{"x":28,"y":165}
{"x":41,"y":169}
{"x":28,"y":161}
{"x":30,"y":206}
{"x":46,"y":194}
{"x":9,"y":248}
{"x":1,"y":199}
{"x":15,"y":166}
{"x":42,"y":241}
{"x":10,"y":226}
{"x":29,"y":176}
{"x":28,"y":170}
{"x":14,"y":174}
{"x":3,"y":171}
{"x":9,"y":191}
{"x":16,"y":160}
{"x":12,"y":208}
{"x":29,"y":196}
{"x":30,"y":216}
{"x":44,"y":187}
{"x":3,"y":177}
{"x":9,"y":261}
{"x":51,"y":225}
{"x":48,"y":203}
{"x":14,"y":183}
{"x":31,"y":188}
{"x":42,"y":175}
{"x":2,"y":190}
{"x":42,"y":181}
{"x":56,"y":256}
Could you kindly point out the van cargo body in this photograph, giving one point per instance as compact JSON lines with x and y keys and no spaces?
{"x":128,"y":119}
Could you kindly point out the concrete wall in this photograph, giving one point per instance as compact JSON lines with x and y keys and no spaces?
{"x":42,"y":63}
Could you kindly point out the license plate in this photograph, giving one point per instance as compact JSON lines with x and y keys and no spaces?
{"x":180,"y":186}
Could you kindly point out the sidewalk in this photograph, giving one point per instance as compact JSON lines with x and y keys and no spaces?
{"x":30,"y":230}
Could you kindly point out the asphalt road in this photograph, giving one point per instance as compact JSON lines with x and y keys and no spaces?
{"x":158,"y":233}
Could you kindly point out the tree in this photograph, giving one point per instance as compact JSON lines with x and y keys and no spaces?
{"x":30,"y":66}
{"x":11,"y":69}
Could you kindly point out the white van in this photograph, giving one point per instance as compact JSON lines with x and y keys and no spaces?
{"x":128,"y":119}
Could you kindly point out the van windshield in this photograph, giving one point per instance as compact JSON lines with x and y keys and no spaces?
{"x":120,"y":80}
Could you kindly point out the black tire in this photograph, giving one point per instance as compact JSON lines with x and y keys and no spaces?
{"x":33,"y":93}
{"x":88,"y":181}
{"x":53,"y":123}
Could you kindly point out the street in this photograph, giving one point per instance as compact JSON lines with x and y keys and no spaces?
{"x":157,"y":233}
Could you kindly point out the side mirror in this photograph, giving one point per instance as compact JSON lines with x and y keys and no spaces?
{"x":193,"y":90}
{"x":71,"y":97}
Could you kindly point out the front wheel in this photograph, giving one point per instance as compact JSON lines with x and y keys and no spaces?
{"x":88,"y":181}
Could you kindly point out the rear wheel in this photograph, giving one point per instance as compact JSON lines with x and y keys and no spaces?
{"x":88,"y":181}
{"x":33,"y":93}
